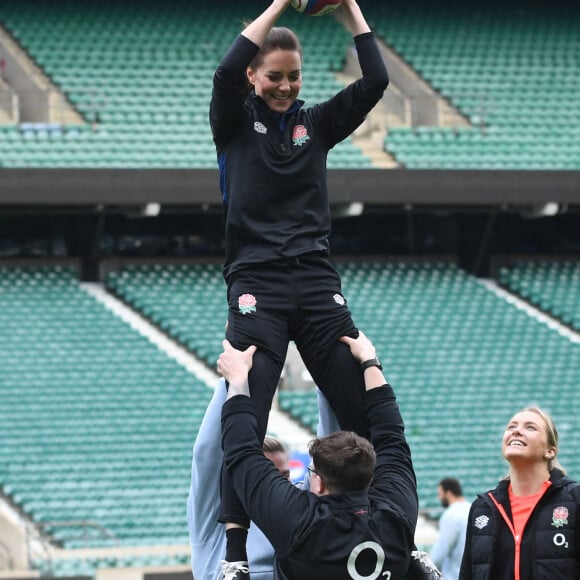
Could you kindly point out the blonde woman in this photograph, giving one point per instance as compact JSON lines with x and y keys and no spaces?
{"x":527,"y":528}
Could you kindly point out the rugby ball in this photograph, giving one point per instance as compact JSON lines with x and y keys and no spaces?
{"x":315,"y":7}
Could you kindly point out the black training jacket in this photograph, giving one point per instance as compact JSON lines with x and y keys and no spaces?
{"x":273,"y":166}
{"x":550,"y":546}
{"x":344,"y":536}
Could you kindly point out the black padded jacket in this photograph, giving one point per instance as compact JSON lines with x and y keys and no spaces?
{"x":549,"y":548}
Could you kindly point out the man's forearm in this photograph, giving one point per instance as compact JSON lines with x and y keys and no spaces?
{"x":374,"y":378}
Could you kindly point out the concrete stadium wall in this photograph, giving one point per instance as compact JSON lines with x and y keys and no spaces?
{"x":86,"y":187}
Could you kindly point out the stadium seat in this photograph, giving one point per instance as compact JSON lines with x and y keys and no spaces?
{"x":97,"y":423}
{"x":147,"y":65}
{"x":524,"y":115}
{"x":552,"y":286}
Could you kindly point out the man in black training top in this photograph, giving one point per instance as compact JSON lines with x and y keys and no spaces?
{"x":358,"y":520}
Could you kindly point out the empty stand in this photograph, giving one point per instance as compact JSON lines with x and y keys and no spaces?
{"x":510,"y":75}
{"x":187,"y":301}
{"x":97,"y":424}
{"x":552,"y":286}
{"x":461,"y":361}
{"x":141,"y":74}
{"x":89,"y":567}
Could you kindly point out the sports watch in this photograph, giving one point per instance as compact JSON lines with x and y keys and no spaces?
{"x":372,"y":362}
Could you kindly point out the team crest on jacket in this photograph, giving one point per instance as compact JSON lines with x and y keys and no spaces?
{"x":560,"y":517}
{"x":247,"y":303}
{"x":300,"y":135}
{"x":260,"y":128}
{"x":481,"y":522}
{"x":339,"y":299}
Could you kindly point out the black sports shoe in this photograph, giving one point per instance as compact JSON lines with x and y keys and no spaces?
{"x":235,"y":570}
{"x":421,"y":567}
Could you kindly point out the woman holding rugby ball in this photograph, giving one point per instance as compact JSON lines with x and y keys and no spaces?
{"x":272,"y":159}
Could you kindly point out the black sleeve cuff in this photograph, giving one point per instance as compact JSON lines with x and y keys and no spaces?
{"x":238,"y":404}
{"x":364,"y":37}
{"x":374,"y":396}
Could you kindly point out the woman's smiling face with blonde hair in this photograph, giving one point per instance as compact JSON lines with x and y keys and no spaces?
{"x":531,"y":436}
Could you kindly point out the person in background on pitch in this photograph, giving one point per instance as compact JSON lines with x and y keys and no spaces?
{"x":359,"y":518}
{"x":206,"y":534}
{"x":448,"y":549}
{"x":272,"y":160}
{"x":528,"y":527}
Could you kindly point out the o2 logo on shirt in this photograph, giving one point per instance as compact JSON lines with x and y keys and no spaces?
{"x":300,"y":135}
{"x":560,"y":541}
{"x":377,"y":572}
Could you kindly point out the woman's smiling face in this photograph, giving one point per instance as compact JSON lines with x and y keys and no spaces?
{"x":526,"y":437}
{"x":278,"y":79}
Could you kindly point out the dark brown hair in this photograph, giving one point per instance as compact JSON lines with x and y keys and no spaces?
{"x":344,"y":460}
{"x":451,"y":484}
{"x":279,"y":38}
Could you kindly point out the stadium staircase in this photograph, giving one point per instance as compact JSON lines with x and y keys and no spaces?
{"x":553,"y":287}
{"x":181,"y":300}
{"x":26,"y":93}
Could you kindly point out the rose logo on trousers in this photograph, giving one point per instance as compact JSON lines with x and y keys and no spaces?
{"x":247,"y":303}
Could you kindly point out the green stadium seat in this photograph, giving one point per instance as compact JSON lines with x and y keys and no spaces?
{"x":97,"y":424}
{"x":471,"y":61}
{"x":148,"y":65}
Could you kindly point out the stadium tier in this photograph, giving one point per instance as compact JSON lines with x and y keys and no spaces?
{"x":97,"y":424}
{"x":188,"y":302}
{"x":551,"y":286}
{"x":509,"y":68}
{"x":462,"y":359}
{"x":140,"y":73}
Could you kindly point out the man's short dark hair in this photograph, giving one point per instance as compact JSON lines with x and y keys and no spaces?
{"x":451,"y":484}
{"x":344,"y":460}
